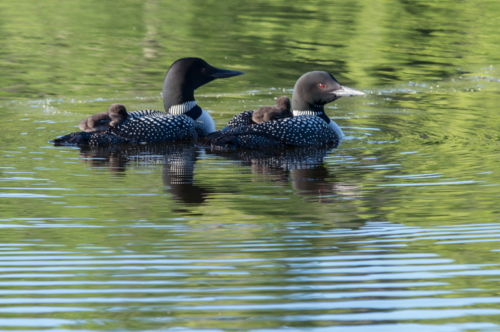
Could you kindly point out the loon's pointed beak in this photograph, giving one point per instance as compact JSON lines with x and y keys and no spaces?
{"x":347,"y":92}
{"x":224,"y":73}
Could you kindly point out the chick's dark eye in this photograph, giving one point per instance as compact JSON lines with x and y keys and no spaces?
{"x":321,"y":86}
{"x":202,"y":70}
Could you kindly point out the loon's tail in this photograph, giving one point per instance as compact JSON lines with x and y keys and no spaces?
{"x":73,"y":139}
{"x":92,"y":139}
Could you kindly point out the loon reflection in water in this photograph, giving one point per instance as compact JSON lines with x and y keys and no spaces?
{"x":178,"y":160}
{"x":303,"y":167}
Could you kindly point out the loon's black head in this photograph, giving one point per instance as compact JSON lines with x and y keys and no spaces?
{"x":186,"y":75}
{"x":317,"y":88}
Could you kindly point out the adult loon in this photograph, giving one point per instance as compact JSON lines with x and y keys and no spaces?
{"x":117,"y":114}
{"x":309,"y":126}
{"x":270,"y":113}
{"x":183,"y":120}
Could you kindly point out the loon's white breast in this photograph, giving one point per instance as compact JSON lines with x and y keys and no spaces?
{"x":205,"y":122}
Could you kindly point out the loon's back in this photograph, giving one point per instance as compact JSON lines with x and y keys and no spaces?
{"x":146,"y":129}
{"x":296,"y":131}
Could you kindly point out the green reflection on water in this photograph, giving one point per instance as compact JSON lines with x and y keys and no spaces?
{"x":97,"y":48}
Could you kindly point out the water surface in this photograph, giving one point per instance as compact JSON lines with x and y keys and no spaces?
{"x":395,"y":230}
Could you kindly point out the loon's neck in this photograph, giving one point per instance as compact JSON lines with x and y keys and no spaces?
{"x":314,"y":110}
{"x":204,"y":121}
{"x":181,"y":108}
{"x":320,"y":112}
{"x":188,"y":108}
{"x":176,"y":90}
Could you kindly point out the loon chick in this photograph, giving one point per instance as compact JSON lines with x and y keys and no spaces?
{"x":270,"y":113}
{"x":117,"y":114}
{"x":96,"y":122}
{"x":184,"y":120}
{"x":309,"y":126}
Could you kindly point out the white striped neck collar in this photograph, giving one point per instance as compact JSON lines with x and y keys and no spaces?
{"x":306,"y":112}
{"x":182,"y":108}
{"x":321,"y":114}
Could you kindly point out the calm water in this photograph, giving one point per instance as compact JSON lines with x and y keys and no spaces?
{"x":396,"y":230}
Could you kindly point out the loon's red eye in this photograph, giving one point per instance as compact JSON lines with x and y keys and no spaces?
{"x":321,"y":86}
{"x":202,"y":70}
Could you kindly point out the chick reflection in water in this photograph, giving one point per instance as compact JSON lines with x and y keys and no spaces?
{"x":302,"y":166}
{"x":178,"y":160}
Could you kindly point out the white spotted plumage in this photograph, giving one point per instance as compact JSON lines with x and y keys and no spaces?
{"x":303,"y":130}
{"x":152,"y":126}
